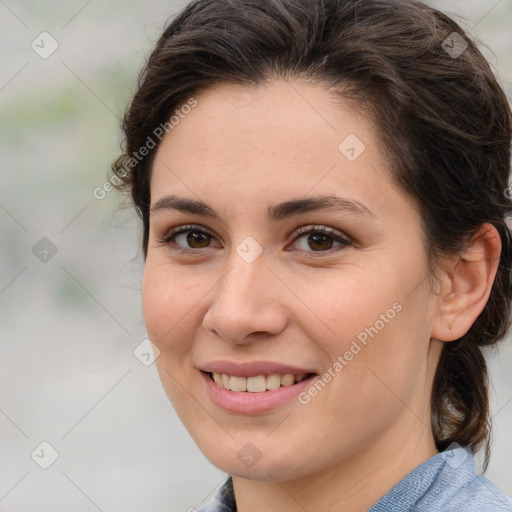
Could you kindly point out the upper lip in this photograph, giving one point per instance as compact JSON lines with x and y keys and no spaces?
{"x":252,"y":368}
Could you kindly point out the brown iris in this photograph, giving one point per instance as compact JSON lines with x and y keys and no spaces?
{"x":196,"y":237}
{"x":322,"y":241}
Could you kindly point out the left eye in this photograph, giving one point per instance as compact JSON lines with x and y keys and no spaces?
{"x":320,"y":239}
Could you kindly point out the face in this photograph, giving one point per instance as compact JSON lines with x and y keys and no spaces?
{"x":333,"y":290}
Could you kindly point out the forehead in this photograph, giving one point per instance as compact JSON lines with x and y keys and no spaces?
{"x":260,"y":142}
{"x":295,"y":113}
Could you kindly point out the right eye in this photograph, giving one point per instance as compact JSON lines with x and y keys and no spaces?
{"x":187,"y":238}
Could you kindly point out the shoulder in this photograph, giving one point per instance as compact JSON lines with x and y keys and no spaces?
{"x":479,"y":495}
{"x":464,"y":488}
{"x":447,"y":482}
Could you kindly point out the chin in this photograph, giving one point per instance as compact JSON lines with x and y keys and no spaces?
{"x":244,"y":459}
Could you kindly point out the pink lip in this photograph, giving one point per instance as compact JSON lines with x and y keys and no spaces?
{"x":245,"y":402}
{"x":252,"y":369}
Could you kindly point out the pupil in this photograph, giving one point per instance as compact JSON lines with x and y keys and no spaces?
{"x":196,"y":237}
{"x":320,"y":239}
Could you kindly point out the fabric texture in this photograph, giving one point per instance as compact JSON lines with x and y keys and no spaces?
{"x":447,"y":482}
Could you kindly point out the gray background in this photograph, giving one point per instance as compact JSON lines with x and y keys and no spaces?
{"x":69,"y":325}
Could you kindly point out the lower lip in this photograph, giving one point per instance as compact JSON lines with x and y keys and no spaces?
{"x":245,"y":402}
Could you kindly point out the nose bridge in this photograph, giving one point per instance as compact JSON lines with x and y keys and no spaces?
{"x":241,"y":287}
{"x":243,"y":302}
{"x":247,"y":267}
{"x":242,"y":279}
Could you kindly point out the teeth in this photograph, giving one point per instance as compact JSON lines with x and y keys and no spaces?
{"x":238,"y":383}
{"x":273,"y":382}
{"x":287,"y":380}
{"x":256,"y":384}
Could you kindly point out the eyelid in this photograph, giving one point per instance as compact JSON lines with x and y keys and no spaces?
{"x":319,"y":228}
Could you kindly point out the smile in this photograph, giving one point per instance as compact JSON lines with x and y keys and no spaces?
{"x":258,"y":383}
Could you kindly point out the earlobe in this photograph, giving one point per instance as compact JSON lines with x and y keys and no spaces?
{"x":466,"y":284}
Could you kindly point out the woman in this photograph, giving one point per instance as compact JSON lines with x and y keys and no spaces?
{"x":323,"y":191}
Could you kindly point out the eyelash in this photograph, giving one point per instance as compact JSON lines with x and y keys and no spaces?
{"x":300,"y":232}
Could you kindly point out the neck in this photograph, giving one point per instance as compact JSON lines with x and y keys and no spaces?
{"x":354,"y":484}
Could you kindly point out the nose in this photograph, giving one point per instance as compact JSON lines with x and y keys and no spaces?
{"x":246,"y":306}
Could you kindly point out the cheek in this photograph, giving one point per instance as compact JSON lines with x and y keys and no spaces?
{"x":171,"y":304}
{"x":377,"y":341}
{"x":354,"y":307}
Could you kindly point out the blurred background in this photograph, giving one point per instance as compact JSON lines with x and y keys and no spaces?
{"x":84,"y":422}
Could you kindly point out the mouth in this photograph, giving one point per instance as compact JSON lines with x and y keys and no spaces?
{"x":258,"y":383}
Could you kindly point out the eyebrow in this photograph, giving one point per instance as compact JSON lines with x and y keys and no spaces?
{"x":275,"y":212}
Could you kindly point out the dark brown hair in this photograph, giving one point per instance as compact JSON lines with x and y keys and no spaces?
{"x":441,"y":115}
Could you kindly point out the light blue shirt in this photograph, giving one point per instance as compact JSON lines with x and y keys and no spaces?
{"x":447,"y":482}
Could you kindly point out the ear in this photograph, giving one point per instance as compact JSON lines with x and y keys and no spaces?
{"x":466,"y":281}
